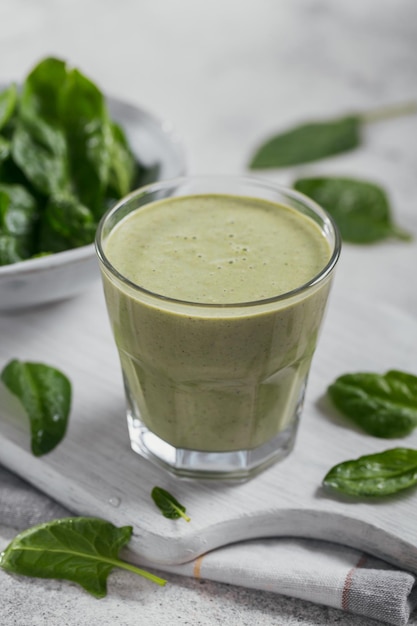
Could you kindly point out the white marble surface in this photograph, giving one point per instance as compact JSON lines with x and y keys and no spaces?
{"x":226,"y":73}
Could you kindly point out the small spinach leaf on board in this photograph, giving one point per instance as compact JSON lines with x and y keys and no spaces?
{"x":308,"y":142}
{"x":375,"y":475}
{"x":168,"y":505}
{"x":382,"y":405}
{"x":361,"y":209}
{"x":45,"y":394}
{"x":80,"y":549}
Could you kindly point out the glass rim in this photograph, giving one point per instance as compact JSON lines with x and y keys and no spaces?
{"x":318,"y":278}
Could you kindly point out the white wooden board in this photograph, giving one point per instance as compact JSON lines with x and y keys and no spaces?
{"x":94,"y":471}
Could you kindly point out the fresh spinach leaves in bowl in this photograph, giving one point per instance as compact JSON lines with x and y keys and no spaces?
{"x":77,"y":168}
{"x":63,"y":162}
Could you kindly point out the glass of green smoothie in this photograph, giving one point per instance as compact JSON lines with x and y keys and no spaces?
{"x":216,"y":289}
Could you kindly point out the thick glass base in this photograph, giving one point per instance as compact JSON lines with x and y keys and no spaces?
{"x":236,"y":465}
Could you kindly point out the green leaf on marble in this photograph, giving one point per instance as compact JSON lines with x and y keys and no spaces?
{"x":83,"y":550}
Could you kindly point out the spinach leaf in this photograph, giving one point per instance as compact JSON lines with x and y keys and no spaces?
{"x":308,"y":142}
{"x":8,"y":101}
{"x":375,"y":475}
{"x":10,"y":172}
{"x":5,"y":149}
{"x":45,"y":393}
{"x":11,"y":250}
{"x":360,"y":209}
{"x":66,"y":224}
{"x":123,"y":168}
{"x":99,"y":153}
{"x":42,"y":91}
{"x":80,"y":549}
{"x":147,"y":175}
{"x":87,"y":126}
{"x":320,"y":139}
{"x":18,"y":210}
{"x":383,"y":405}
{"x":18,"y":220}
{"x":40,"y":150}
{"x":168,"y":505}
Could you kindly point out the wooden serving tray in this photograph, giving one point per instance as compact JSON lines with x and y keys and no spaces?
{"x":94,"y":472}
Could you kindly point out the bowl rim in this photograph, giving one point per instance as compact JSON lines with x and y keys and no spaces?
{"x":48,"y":261}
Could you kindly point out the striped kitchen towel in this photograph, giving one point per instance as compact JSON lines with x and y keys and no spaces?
{"x":318,"y":571}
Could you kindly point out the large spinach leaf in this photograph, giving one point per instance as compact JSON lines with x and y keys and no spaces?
{"x":384,"y":405}
{"x":83,"y":550}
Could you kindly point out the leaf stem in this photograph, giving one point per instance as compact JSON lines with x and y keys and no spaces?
{"x":137,"y":570}
{"x":384,"y":113}
{"x":186,"y":517}
{"x":399,"y":233}
{"x":181,"y":512}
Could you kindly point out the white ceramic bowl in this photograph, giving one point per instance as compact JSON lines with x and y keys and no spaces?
{"x":65,"y":274}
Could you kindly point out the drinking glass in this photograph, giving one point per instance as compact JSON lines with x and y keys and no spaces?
{"x":214,"y":389}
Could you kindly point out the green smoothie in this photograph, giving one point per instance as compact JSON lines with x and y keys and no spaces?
{"x":214,"y":349}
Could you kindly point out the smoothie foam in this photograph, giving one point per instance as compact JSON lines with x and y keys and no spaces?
{"x":218,"y":249}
